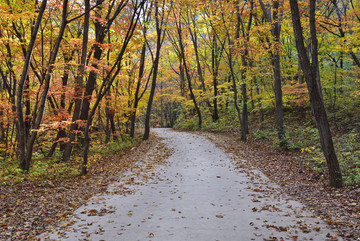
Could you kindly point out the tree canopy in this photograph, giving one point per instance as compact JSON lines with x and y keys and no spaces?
{"x":77,"y":76}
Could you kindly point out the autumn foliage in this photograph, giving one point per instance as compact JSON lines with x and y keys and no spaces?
{"x":77,"y":76}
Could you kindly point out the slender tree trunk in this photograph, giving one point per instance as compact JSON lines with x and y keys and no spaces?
{"x":245,"y":123}
{"x":26,"y":142}
{"x":275,"y":56}
{"x":107,"y":129}
{"x":79,"y":84}
{"x":261,"y":111}
{"x":90,"y":84}
{"x":244,"y":118}
{"x":192,"y":95}
{"x":251,"y":93}
{"x":133,"y":121}
{"x":137,"y":91}
{"x":65,"y":78}
{"x":316,"y":101}
{"x":182,"y":58}
{"x":232,"y":71}
{"x":214,"y":67}
{"x":47,"y":81}
{"x":245,"y":64}
{"x":277,"y":75}
{"x":28,"y":117}
{"x":20,"y":125}
{"x":159,"y":32}
{"x":110,"y":124}
{"x":355,"y":58}
{"x":279,"y":101}
{"x":194,"y":40}
{"x":300,"y":75}
{"x":235,"y":95}
{"x":182,"y":78}
{"x":193,"y":36}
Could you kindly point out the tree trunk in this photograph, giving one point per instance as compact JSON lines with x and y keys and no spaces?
{"x":279,"y":101}
{"x":110,"y":124}
{"x":244,"y":129}
{"x":182,"y":78}
{"x":159,"y":32}
{"x":300,"y":74}
{"x":47,"y":81}
{"x":193,"y":37}
{"x":232,"y":71}
{"x":192,"y":95}
{"x":277,"y":75}
{"x":214,"y":67}
{"x":275,"y":59}
{"x":316,"y":101}
{"x":91,"y":82}
{"x":79,"y":84}
{"x":236,"y":99}
{"x":182,"y":59}
{"x":136,"y":95}
{"x":20,"y":125}
{"x":261,"y":111}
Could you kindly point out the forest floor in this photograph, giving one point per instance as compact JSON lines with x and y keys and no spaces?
{"x":28,"y":208}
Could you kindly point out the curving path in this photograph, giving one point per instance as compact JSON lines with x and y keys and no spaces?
{"x":196,"y":193}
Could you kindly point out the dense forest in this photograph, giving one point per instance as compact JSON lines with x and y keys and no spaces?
{"x":81,"y":77}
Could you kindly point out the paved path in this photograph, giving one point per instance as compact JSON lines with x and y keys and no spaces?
{"x":196,"y":194}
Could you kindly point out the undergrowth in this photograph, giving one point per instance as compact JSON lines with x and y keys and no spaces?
{"x":46,"y":169}
{"x":304,"y":138}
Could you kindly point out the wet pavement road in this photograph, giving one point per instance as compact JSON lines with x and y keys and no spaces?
{"x":196,"y":193}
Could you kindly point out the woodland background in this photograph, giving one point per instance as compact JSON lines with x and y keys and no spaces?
{"x":77,"y":79}
{"x":82,"y":82}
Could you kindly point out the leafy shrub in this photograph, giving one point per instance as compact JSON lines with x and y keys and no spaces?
{"x":259,"y":134}
{"x":189,"y":124}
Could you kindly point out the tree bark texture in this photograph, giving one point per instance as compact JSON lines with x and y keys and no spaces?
{"x":215,"y":67}
{"x":244,"y":114}
{"x":159,"y":32}
{"x":277,"y":75}
{"x":316,"y":101}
